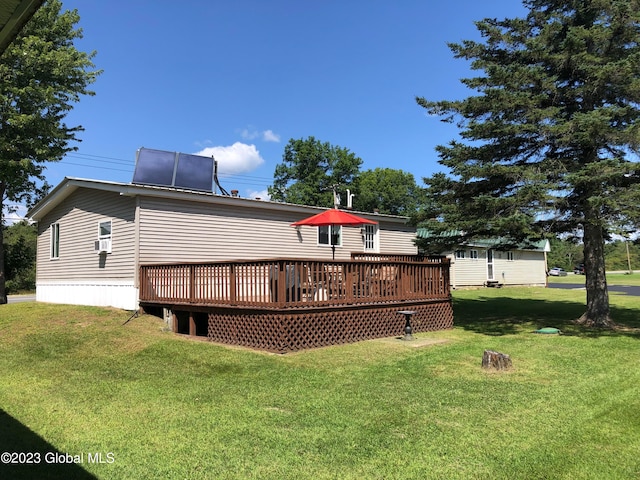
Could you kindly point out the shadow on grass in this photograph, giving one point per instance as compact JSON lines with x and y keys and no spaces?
{"x":508,"y":316}
{"x":46,"y":461}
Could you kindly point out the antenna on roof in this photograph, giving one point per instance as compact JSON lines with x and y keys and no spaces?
{"x":336,"y":196}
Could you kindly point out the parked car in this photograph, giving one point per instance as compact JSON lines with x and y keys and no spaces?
{"x":579,"y":269}
{"x":557,"y":272}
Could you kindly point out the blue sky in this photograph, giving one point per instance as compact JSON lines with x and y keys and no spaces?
{"x":239,"y":78}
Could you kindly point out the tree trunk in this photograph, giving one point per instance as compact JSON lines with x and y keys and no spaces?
{"x":3,"y":291}
{"x":597,"y":314}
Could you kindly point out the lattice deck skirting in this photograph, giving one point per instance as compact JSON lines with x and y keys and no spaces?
{"x":289,"y":330}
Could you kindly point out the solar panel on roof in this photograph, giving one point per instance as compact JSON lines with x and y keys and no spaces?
{"x":173,"y":169}
{"x":154,"y":167}
{"x":194,"y":171}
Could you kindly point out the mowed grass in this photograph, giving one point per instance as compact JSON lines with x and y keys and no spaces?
{"x":76,"y":380}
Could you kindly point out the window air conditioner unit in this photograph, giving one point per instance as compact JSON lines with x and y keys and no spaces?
{"x":103,"y":246}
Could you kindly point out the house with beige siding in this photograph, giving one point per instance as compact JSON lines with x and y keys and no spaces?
{"x":481,"y":263}
{"x":93,"y":236}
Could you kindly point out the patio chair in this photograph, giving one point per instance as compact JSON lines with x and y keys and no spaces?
{"x":305,"y":284}
{"x":385,"y":281}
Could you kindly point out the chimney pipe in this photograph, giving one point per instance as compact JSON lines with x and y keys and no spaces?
{"x":350,"y":199}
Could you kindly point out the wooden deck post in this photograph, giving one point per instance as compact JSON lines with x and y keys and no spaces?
{"x":192,"y":325}
{"x":232,"y":284}
{"x":282,"y":283}
{"x":446,"y":272}
{"x":192,"y":283}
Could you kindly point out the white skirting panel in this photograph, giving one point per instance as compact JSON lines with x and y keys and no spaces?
{"x":99,"y":293}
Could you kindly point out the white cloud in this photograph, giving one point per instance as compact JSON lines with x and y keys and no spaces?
{"x":262,"y":194}
{"x":269,"y":136}
{"x":236,"y":158}
{"x":249,"y":134}
{"x":266,"y":135}
{"x":204,"y":143}
{"x":14,"y":214}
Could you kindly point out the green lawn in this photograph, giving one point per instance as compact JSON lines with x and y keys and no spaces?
{"x":77,"y":381}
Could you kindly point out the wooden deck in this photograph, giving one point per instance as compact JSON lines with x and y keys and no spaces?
{"x":288,"y":304}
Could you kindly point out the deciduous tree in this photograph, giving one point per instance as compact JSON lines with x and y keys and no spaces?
{"x":20,"y":256}
{"x":549,"y":142}
{"x":309,"y":171}
{"x":391,"y":191}
{"x":42,"y":74}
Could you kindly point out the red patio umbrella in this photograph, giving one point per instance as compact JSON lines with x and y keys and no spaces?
{"x":332,"y":217}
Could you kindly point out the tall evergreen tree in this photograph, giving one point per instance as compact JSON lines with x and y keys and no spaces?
{"x":42,"y":75}
{"x":550,"y":141}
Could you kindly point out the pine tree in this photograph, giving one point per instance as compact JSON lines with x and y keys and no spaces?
{"x":550,"y":141}
{"x":41,"y":75}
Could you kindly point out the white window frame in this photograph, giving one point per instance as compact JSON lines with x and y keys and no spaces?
{"x":105,"y":240}
{"x":490,"y":265}
{"x":54,"y":241}
{"x":510,"y":256}
{"x":473,"y":254}
{"x":460,"y":254}
{"x":371,"y":238}
{"x":330,"y":235}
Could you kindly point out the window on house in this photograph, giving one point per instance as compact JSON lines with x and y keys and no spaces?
{"x":370,"y":237}
{"x":510,"y":256}
{"x":55,"y":241}
{"x":460,"y":254}
{"x":103,"y":244}
{"x":333,"y":238}
{"x":473,"y":254}
{"x":104,"y":230}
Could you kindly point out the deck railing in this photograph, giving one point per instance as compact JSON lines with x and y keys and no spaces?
{"x":282,"y":283}
{"x":397,"y":257}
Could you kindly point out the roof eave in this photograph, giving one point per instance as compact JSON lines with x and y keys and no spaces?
{"x":70,"y":184}
{"x":13,"y":17}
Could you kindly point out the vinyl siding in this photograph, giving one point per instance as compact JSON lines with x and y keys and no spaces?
{"x":469,"y":271}
{"x":78,"y":216}
{"x":397,"y":239}
{"x":180,"y":231}
{"x":526,"y":268}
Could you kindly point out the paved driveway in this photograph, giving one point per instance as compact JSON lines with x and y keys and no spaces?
{"x":628,"y":290}
{"x":21,"y":298}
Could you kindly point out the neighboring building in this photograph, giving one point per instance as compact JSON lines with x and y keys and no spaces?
{"x":94,"y":235}
{"x":479,"y":263}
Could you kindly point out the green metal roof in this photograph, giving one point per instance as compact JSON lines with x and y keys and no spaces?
{"x":538,"y":245}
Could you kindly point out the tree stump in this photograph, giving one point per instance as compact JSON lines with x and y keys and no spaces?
{"x":496,"y":360}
